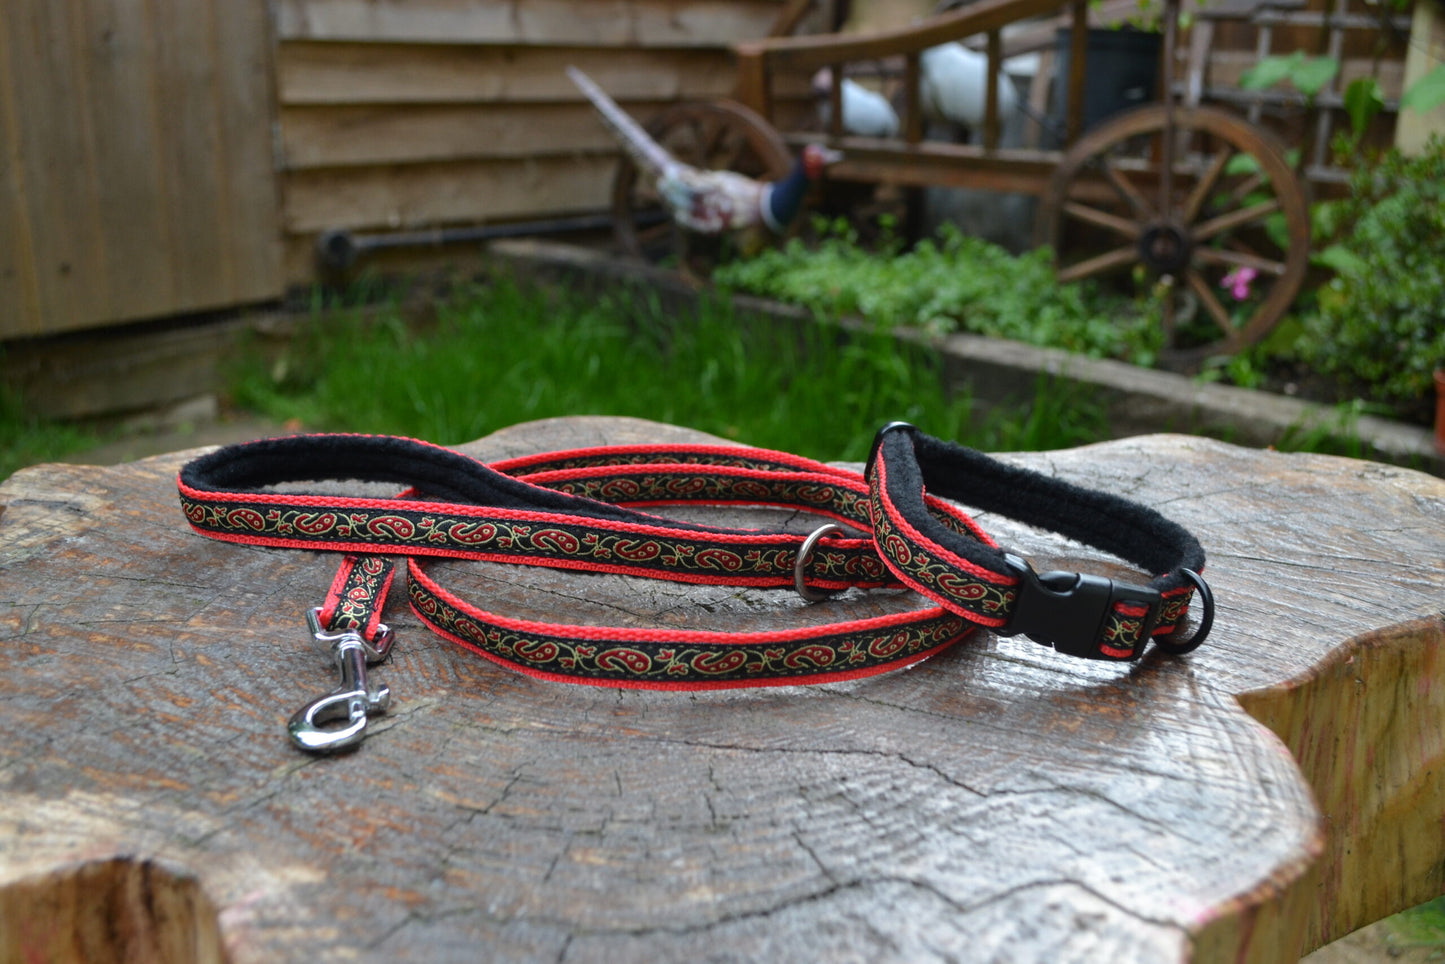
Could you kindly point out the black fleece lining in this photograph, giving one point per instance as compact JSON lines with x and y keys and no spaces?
{"x":914,"y":461}
{"x":1119,"y":526}
{"x":436,"y":472}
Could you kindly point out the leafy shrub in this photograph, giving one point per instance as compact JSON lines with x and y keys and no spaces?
{"x":955,"y":283}
{"x":1380,"y":322}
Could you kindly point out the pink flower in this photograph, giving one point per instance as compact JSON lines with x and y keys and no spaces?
{"x":1238,"y":282}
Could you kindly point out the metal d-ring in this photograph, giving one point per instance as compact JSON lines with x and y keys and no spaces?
{"x":805,"y":552}
{"x":1206,"y":618}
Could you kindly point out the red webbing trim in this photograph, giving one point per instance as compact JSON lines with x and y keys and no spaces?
{"x":660,"y":454}
{"x":645,"y":475}
{"x":984,"y":596}
{"x":355,"y":598}
{"x":738,"y":558}
{"x":573,"y":532}
{"x":685,"y":659}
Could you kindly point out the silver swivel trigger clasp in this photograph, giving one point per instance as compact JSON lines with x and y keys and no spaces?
{"x":348,"y":707}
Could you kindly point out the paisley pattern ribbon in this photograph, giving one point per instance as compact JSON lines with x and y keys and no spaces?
{"x":583,"y":510}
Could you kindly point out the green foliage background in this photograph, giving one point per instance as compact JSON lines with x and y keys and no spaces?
{"x":501,"y":353}
{"x":1379,"y":323}
{"x":952,"y":283}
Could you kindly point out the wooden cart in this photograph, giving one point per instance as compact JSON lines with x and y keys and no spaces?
{"x":1171,"y":197}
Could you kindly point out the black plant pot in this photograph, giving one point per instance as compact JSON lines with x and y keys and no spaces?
{"x":1122,"y":72}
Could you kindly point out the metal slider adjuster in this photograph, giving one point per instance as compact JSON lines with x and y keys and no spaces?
{"x":1067,"y":610}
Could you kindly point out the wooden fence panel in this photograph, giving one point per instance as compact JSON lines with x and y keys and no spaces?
{"x":159,"y":157}
{"x":389,"y":134}
{"x":440,"y":193}
{"x":115,"y":62}
{"x":51,"y":166}
{"x":413,"y":114}
{"x":138,"y":177}
{"x":589,"y":23}
{"x":406,"y":73}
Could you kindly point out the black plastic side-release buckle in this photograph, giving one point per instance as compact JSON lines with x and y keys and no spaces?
{"x":1067,"y":610}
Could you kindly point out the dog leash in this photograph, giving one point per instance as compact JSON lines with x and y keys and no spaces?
{"x":893,"y":525}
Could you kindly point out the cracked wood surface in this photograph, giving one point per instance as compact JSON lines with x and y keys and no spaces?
{"x":998,"y":802}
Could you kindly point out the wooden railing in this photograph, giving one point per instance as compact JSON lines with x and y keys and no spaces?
{"x":759,"y":61}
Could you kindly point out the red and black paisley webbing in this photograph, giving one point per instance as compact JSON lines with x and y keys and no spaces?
{"x":581,"y":509}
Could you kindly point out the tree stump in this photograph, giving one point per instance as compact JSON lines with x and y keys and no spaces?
{"x":1000,"y":802}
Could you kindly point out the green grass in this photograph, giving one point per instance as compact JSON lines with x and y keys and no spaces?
{"x":501,"y":354}
{"x":26,"y":439}
{"x":1337,"y":434}
{"x":1421,"y":926}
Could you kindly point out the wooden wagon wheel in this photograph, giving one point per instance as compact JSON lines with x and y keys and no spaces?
{"x":715,"y":135}
{"x":1223,"y":240}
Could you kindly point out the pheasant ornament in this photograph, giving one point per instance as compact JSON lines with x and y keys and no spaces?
{"x":706,"y":201}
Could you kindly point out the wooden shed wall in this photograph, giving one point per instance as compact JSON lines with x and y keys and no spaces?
{"x":404,"y":114}
{"x":136,"y":174}
{"x":171,"y":156}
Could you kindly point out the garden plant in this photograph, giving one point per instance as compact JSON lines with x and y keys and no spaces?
{"x":1365,"y":337}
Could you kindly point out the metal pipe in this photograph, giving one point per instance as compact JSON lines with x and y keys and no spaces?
{"x":338,"y":250}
